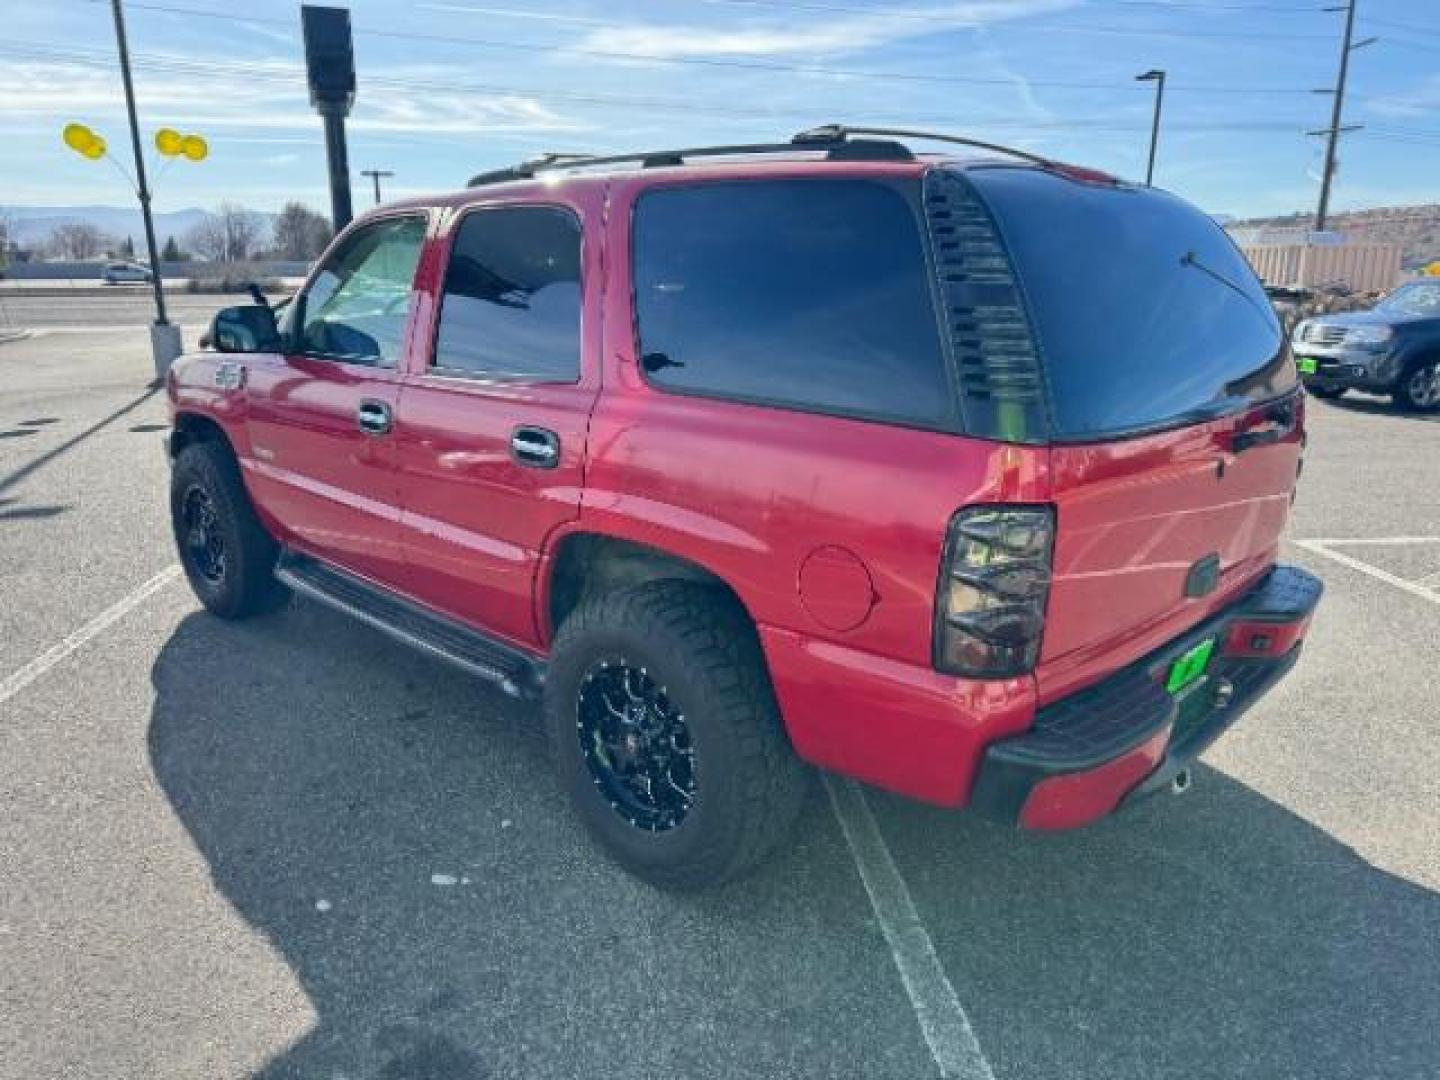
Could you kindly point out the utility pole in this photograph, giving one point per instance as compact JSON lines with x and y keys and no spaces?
{"x":164,"y":338}
{"x":1156,"y":76}
{"x":375,"y":175}
{"x":1337,"y":112}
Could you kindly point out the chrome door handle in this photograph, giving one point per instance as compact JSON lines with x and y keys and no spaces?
{"x":536,"y":447}
{"x":374,"y":417}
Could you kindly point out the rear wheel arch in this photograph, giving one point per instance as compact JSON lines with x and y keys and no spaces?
{"x":586,"y":564}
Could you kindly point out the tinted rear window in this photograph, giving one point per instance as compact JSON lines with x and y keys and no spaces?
{"x":813,"y":294}
{"x":1146,"y":313}
{"x":511,"y":307}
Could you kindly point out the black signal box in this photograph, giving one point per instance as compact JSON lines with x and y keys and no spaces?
{"x":329,"y":57}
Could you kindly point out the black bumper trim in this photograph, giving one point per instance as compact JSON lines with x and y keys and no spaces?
{"x":1115,"y":716}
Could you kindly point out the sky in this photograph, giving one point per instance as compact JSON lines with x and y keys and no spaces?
{"x":451,"y":87}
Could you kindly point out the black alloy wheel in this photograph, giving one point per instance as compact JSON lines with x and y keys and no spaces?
{"x":636,"y":744}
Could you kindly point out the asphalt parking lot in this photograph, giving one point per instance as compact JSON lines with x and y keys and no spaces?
{"x":291,"y":848}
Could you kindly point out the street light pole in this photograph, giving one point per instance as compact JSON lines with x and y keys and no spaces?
{"x":142,"y":188}
{"x":1156,"y":76}
{"x":375,"y":175}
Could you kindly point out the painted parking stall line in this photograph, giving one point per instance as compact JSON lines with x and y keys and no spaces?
{"x":942,"y":1018}
{"x":1423,"y":588}
{"x":13,"y":684}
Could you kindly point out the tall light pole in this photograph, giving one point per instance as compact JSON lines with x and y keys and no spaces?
{"x":375,"y":175}
{"x":1156,"y":76}
{"x":1337,"y":111}
{"x":164,"y":338}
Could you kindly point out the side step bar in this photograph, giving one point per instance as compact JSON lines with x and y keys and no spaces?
{"x":516,"y":673}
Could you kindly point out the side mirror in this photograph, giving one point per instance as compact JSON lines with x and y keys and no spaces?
{"x":248,"y":329}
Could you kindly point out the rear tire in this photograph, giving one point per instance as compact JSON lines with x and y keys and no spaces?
{"x":1419,"y":388}
{"x":226,"y":553}
{"x":662,"y":688}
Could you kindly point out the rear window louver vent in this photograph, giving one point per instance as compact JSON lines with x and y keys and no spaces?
{"x":986,"y":323}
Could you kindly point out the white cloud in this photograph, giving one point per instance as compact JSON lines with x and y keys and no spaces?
{"x":273,"y":100}
{"x":1422,"y":100}
{"x":807,"y":34}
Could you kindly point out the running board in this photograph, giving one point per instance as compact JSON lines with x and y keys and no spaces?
{"x":515,"y":672}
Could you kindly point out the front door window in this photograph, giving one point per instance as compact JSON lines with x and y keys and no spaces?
{"x":358,"y":305}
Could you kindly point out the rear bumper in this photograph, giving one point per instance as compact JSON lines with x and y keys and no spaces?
{"x":1124,"y":737}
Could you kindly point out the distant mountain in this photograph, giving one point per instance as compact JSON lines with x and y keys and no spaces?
{"x":1415,"y":228}
{"x":33,"y":224}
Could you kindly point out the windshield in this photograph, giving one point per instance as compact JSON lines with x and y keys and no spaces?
{"x":1146,"y":314}
{"x":1418,"y":298}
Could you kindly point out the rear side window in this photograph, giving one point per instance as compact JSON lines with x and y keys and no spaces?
{"x":511,"y":307}
{"x":812,"y":294}
{"x":1146,"y":314}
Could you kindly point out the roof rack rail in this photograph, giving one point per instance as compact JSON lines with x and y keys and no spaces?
{"x":829,"y":134}
{"x":840,"y":148}
{"x":525,"y":170}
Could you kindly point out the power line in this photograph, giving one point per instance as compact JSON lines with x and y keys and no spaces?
{"x":293,"y":76}
{"x":748,"y":65}
{"x":928,"y":16}
{"x":1412,"y":28}
{"x":1180,"y":5}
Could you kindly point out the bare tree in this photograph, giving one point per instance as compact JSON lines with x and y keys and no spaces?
{"x":231,"y":234}
{"x":77,"y":241}
{"x":300,"y":233}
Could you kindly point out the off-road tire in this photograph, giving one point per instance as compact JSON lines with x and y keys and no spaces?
{"x":696,"y":642}
{"x":246,"y":586}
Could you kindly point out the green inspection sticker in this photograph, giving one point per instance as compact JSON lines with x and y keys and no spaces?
{"x":1307,"y":365}
{"x":1190,"y":667}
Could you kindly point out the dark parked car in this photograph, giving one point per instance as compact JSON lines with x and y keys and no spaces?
{"x":1394,"y":348}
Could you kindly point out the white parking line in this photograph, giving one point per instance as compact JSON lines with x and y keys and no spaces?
{"x":942,"y":1019}
{"x":42,"y":331}
{"x":92,"y":629}
{"x":1322,"y":547}
{"x":1328,"y":541}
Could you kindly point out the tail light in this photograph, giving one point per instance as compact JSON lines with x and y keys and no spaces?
{"x":994,"y":582}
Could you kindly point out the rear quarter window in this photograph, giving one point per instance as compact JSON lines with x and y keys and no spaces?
{"x":811,"y":294}
{"x":1146,"y":313}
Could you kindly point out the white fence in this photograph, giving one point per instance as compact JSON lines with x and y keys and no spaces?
{"x":1359,"y":267}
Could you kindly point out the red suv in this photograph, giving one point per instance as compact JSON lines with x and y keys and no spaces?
{"x":965,"y":477}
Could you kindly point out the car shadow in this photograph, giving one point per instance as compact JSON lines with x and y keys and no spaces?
{"x":395,"y":833}
{"x":1215,"y":934}
{"x":1375,"y":406}
{"x":394,"y":829}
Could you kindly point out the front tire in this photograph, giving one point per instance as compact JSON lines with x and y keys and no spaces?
{"x":1419,"y":388}
{"x":1325,"y":393}
{"x":226,"y":553}
{"x":666,"y":735}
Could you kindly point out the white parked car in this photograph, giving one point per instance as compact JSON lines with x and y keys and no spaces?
{"x":119,"y":273}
